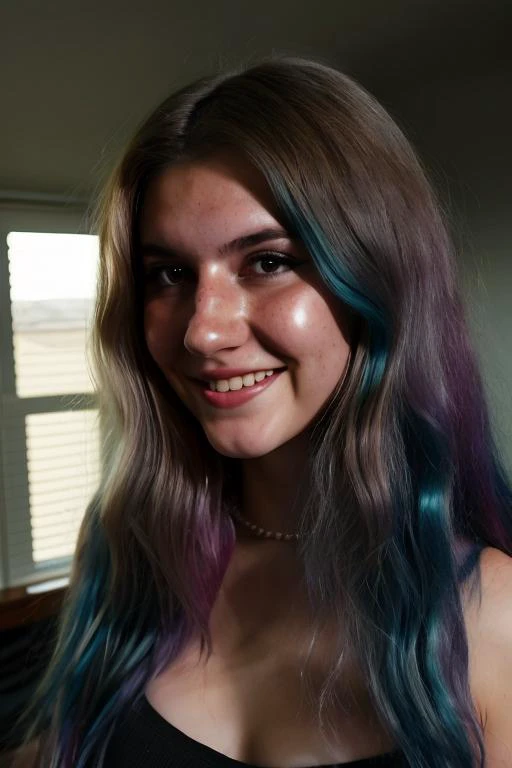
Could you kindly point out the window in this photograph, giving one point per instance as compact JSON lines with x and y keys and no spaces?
{"x":49,"y":435}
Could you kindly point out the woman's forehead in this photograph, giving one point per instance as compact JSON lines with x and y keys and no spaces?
{"x":219,"y":201}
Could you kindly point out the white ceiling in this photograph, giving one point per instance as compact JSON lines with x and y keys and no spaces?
{"x":76,"y":77}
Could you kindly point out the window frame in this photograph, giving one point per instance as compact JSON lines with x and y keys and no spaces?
{"x":66,"y":218}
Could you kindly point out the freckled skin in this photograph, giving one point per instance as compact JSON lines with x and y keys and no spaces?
{"x":228,"y":316}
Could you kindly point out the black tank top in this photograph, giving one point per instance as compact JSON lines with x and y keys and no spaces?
{"x":144,"y":739}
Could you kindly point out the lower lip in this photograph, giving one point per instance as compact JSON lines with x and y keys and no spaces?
{"x":234,"y":398}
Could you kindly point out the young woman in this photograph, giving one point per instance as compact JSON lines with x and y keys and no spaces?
{"x":299,"y":551}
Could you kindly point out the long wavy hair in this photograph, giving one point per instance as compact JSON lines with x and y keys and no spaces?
{"x":406,"y":484}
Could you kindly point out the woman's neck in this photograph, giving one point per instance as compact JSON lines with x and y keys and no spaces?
{"x":274,"y":487}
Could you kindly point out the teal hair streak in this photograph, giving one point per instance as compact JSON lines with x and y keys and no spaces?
{"x":418,"y":589}
{"x":414,"y":595}
{"x":104,"y":656}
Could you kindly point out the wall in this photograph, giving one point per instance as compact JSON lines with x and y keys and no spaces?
{"x":462,"y":125}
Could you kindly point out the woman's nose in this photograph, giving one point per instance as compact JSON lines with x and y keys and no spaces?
{"x":219,"y":320}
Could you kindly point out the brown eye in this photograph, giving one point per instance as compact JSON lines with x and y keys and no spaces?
{"x":168,"y":275}
{"x":171,"y":275}
{"x":272,"y":264}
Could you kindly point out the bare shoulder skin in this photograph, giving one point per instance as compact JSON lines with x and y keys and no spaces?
{"x":26,"y":756}
{"x":489,"y":626}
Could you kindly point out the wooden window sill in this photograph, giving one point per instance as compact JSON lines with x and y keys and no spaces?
{"x":20,"y":606}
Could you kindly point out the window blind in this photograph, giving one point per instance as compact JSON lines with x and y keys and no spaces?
{"x":49,"y":433}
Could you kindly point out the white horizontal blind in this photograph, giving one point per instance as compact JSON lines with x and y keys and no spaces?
{"x":62,"y":452}
{"x":49,"y":434}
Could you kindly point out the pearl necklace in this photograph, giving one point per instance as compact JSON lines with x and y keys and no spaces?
{"x":262,"y":533}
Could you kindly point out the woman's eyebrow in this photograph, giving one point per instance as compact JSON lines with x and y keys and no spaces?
{"x":238,"y":244}
{"x":255,"y":238}
{"x":147,"y":250}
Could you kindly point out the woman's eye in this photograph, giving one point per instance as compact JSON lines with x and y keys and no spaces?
{"x":266,"y":265}
{"x":271,"y":264}
{"x":167,"y":275}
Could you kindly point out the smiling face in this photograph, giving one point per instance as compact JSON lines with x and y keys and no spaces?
{"x":236,"y":315}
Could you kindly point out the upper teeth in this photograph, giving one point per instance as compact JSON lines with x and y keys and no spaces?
{"x":237,"y":382}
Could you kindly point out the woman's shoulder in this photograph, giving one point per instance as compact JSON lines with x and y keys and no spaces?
{"x":489,"y":627}
{"x":490,"y":600}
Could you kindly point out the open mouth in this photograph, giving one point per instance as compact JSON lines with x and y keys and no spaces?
{"x":237,"y":390}
{"x":237,"y":383}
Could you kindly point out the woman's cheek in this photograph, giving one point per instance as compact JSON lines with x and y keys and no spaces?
{"x":301,"y":321}
{"x":160,"y":334}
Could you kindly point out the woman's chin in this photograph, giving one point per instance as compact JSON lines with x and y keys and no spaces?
{"x":238,"y":448}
